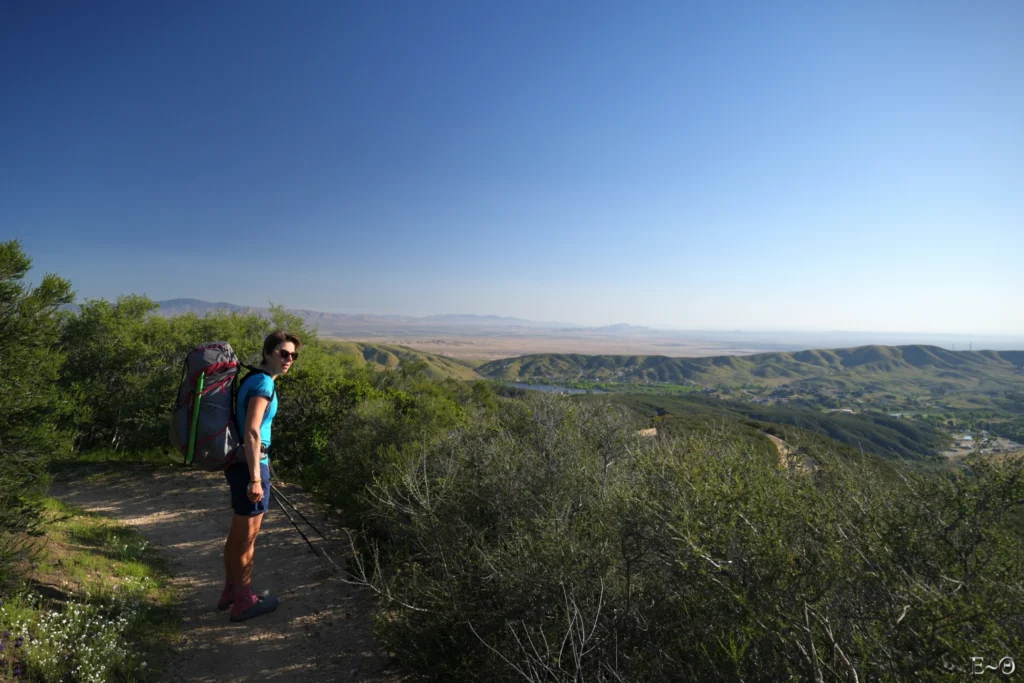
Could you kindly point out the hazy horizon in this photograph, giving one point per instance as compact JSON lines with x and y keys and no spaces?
{"x":785,"y":336}
{"x":764,"y":167}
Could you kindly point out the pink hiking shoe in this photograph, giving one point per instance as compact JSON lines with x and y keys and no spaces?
{"x":227,"y":596}
{"x":248,"y":605}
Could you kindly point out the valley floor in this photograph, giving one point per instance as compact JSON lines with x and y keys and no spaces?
{"x":487,"y":348}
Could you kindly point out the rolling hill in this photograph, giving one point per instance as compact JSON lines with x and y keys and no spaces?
{"x":838,"y":368}
{"x":389,"y":357}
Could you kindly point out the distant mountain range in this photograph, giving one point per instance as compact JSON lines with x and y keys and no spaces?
{"x":346,"y":323}
{"x":472,"y":319}
{"x":341,"y":324}
{"x":178,"y":306}
{"x":840,"y":368}
{"x":617,"y":338}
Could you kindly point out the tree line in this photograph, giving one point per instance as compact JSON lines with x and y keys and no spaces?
{"x":540,"y":538}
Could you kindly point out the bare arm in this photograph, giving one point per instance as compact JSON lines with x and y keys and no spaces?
{"x":253,"y":419}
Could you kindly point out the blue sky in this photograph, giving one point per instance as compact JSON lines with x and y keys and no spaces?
{"x":782,"y":165}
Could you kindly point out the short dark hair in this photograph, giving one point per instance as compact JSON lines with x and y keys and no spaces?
{"x":275,"y":338}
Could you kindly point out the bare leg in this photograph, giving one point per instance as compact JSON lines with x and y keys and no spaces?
{"x":241,"y":549}
{"x":228,"y":545}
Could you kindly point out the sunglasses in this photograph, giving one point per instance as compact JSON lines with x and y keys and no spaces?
{"x":285,"y":355}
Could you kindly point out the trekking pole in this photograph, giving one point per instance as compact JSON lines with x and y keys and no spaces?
{"x":322,"y":553}
{"x":278,"y":493}
{"x":195,"y":420}
{"x":281,"y":497}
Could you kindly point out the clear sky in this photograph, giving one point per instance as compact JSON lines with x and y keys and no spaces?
{"x":804,"y":165}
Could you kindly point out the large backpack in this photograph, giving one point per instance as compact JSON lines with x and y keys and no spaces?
{"x":204,"y":426}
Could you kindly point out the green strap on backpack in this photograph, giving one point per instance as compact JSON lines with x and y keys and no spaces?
{"x":204,"y":426}
{"x":195,"y":419}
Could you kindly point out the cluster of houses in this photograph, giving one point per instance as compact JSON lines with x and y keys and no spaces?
{"x":985,"y":443}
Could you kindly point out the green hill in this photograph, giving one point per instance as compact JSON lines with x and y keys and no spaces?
{"x":838,"y":368}
{"x":870,"y":432}
{"x":383,"y":357}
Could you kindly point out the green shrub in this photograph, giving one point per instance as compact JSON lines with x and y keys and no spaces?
{"x":518,"y":536}
{"x":31,"y":403}
{"x":126,"y":364}
{"x":344,"y":431}
{"x":549,"y":542}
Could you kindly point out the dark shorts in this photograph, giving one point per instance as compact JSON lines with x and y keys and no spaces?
{"x":238,"y":478}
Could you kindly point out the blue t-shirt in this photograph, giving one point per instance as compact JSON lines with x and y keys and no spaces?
{"x":258,"y":385}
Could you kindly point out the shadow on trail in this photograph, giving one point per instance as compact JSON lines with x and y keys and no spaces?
{"x":320,"y":632}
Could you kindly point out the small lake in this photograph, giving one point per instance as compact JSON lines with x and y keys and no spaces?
{"x":552,"y":389}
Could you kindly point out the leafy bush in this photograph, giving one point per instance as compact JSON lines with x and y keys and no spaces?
{"x":551,"y":543}
{"x":1012,"y":429}
{"x":519,"y":536}
{"x":31,"y":403}
{"x":873,"y":432}
{"x":128,"y":363}
{"x":346,"y":430}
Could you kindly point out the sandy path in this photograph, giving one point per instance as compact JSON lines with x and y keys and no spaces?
{"x":781,"y":446}
{"x":321,"y":630}
{"x":787,"y":457}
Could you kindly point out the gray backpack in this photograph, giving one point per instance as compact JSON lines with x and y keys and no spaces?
{"x":204,"y":427}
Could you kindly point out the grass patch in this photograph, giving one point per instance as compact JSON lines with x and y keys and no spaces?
{"x":97,"y":463}
{"x":155,"y":456}
{"x":96,"y":604}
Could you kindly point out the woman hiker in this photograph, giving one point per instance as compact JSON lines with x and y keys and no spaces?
{"x":250,"y":479}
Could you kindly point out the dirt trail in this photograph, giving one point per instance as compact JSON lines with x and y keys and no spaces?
{"x":321,"y":630}
{"x":782,"y":447}
{"x":787,"y":457}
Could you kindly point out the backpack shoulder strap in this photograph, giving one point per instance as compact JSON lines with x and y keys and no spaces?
{"x":257,"y":371}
